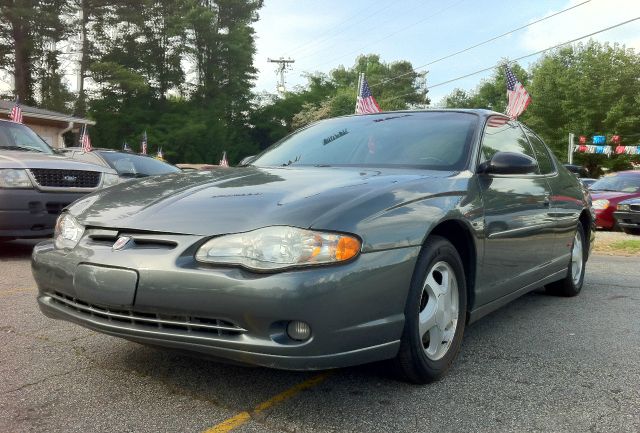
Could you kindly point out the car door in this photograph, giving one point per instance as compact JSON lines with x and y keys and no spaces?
{"x":565,"y":207}
{"x":518,"y":237}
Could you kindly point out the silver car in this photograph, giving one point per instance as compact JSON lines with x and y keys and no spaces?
{"x":36,"y":183}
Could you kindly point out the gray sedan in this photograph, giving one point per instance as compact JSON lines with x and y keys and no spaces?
{"x":355,"y":239}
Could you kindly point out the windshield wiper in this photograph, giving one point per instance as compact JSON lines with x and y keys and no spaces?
{"x":25,"y":148}
{"x":286,"y":164}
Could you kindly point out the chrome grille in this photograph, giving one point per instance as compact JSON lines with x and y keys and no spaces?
{"x":168,"y":322}
{"x":634,"y":207}
{"x":53,"y":178}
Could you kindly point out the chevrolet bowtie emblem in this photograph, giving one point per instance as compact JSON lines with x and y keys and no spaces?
{"x":121,"y":243}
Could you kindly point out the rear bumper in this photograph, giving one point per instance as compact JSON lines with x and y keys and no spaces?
{"x":30,"y":213}
{"x":355,"y":311}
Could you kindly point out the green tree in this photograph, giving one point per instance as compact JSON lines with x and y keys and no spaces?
{"x":586,"y":89}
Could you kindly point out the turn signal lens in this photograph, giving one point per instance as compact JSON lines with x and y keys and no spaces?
{"x":347,"y":248}
{"x":279,"y":247}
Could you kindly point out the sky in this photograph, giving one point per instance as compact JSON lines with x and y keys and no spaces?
{"x":321,"y":35}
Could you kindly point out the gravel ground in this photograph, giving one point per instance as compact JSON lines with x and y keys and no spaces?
{"x":540,"y":364}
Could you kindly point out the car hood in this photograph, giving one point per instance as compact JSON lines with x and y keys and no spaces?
{"x":614,"y":196}
{"x":232,"y":200}
{"x":19,"y":159}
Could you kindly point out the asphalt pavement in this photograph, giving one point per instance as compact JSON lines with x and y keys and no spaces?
{"x":540,"y":364}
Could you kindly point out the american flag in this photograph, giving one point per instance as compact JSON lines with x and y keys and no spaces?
{"x":519,"y":99}
{"x":86,"y":141}
{"x":144,"y":143}
{"x":497,"y":121}
{"x":366,"y":103}
{"x":223,"y":161}
{"x":16,"y":112}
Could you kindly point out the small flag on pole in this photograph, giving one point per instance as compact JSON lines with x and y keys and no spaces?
{"x":143,"y":150}
{"x":86,"y":141}
{"x":519,"y":99}
{"x":16,"y":112}
{"x":366,"y":103}
{"x":223,"y":161}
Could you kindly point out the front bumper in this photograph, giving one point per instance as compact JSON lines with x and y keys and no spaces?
{"x":30,"y":213}
{"x":629,"y":220}
{"x":356,"y":310}
{"x":604,"y":218}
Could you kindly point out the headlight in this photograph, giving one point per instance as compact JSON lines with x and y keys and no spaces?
{"x":109,"y":179}
{"x":14,"y":178}
{"x":624,"y":207}
{"x":600,"y":204}
{"x":68,"y":232}
{"x":279,"y":247}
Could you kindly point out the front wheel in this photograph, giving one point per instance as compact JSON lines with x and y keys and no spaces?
{"x":571,"y":285}
{"x":434,"y":315}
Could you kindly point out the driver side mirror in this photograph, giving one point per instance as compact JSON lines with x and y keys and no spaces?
{"x":509,"y":163}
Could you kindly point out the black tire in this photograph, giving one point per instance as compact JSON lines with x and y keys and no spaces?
{"x":567,"y":286}
{"x":412,"y":363}
{"x":631,"y":231}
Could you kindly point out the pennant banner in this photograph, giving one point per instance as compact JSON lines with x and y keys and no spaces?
{"x":629,"y":150}
{"x":607,"y":150}
{"x":591,"y":148}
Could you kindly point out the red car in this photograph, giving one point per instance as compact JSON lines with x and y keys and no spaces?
{"x":609,"y":191}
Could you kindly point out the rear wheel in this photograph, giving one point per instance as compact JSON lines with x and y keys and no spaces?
{"x":571,"y":285}
{"x":434,"y":315}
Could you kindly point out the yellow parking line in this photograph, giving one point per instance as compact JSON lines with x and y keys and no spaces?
{"x":243,"y":417}
{"x":12,"y":291}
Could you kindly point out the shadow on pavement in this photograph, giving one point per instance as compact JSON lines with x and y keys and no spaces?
{"x":18,"y":249}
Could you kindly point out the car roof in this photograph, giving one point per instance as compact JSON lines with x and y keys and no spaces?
{"x":629,"y":172}
{"x":482,"y":112}
{"x":105,"y":149}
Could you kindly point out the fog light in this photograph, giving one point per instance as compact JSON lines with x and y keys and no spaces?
{"x":298,"y":330}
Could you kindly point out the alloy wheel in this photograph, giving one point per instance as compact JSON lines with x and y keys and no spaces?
{"x":439,"y":307}
{"x":577,"y":259}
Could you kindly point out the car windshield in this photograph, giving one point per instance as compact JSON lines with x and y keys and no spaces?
{"x":131,"y":165}
{"x":15,"y":136}
{"x":434,"y":140}
{"x":620,"y":183}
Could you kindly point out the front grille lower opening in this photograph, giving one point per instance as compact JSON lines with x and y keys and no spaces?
{"x":169,"y":322}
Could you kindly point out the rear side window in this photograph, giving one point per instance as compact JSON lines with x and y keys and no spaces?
{"x":542,"y":153}
{"x":504,"y":135}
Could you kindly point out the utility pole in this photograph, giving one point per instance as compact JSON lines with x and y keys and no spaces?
{"x":570,"y":149}
{"x":283,"y":66}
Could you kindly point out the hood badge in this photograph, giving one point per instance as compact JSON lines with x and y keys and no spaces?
{"x":121,"y":243}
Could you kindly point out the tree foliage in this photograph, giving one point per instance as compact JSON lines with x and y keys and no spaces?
{"x":395,"y":86}
{"x":586,"y":89}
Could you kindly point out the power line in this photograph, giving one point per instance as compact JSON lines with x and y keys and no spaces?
{"x":479,"y":44}
{"x":396,"y":32}
{"x":521,"y":58}
{"x":329,"y":34}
